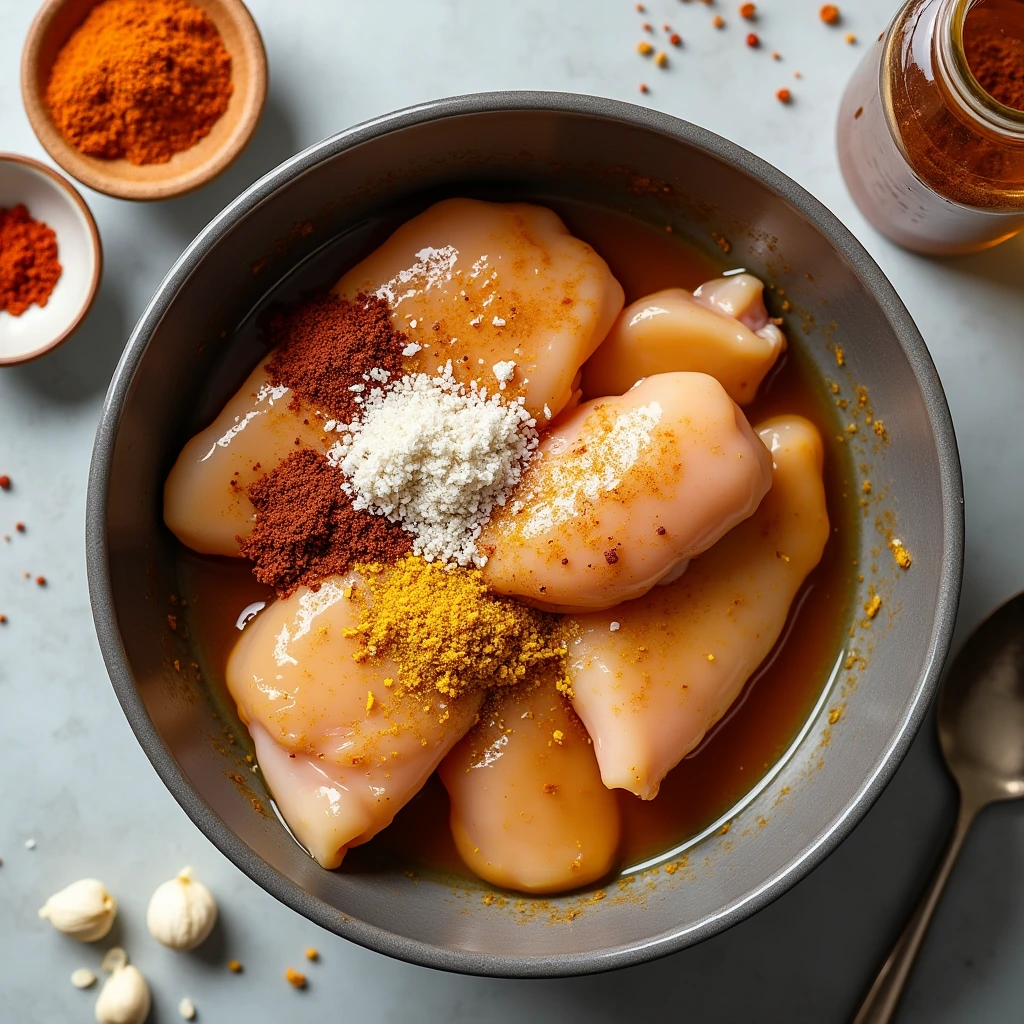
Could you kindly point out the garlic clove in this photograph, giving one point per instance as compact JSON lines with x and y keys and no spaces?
{"x":84,"y":910}
{"x":83,"y":978}
{"x":182,"y":912}
{"x":124,"y":998}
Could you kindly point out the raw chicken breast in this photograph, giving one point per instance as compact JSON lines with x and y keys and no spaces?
{"x":649,"y":689}
{"x":624,"y":491}
{"x":528,"y":810}
{"x":341,"y":753}
{"x":491,"y":284}
{"x":205,"y":500}
{"x":721,"y":329}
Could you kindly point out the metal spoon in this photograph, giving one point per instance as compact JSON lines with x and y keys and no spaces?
{"x":981,"y":730}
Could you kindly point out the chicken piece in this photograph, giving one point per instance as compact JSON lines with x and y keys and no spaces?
{"x":528,"y":810}
{"x":205,"y":501}
{"x":625,"y":491}
{"x":721,"y":329}
{"x":650,"y":687}
{"x":489,"y":285}
{"x":340,"y":751}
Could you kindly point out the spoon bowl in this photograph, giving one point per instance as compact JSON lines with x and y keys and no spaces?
{"x":981,"y":709}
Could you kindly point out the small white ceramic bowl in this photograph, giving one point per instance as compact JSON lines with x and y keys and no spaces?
{"x":52,"y":199}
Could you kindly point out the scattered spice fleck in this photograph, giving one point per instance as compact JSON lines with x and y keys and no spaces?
{"x":3,"y":620}
{"x":776,"y":55}
{"x":872,"y":606}
{"x":752,"y":40}
{"x":840,"y":357}
{"x":676,"y":39}
{"x":719,"y":21}
{"x":784,"y":96}
{"x":234,"y":967}
{"x":312,"y":954}
{"x":722,"y":242}
{"x":710,"y":657}
{"x":643,"y":87}
{"x":851,"y":38}
{"x":748,"y":11}
{"x":662,"y":59}
{"x":611,"y":556}
{"x":901,"y":554}
{"x":5,"y":482}
{"x":829,"y":14}
{"x":40,"y":581}
{"x":20,"y":527}
{"x":558,"y":735}
{"x":834,"y":715}
{"x":644,"y":48}
{"x":295,"y":978}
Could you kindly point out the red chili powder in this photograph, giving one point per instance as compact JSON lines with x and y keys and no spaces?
{"x":306,"y":528}
{"x":28,"y":260}
{"x":326,"y":344}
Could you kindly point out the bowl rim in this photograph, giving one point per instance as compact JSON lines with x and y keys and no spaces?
{"x":97,"y":247}
{"x":81,"y":167}
{"x":283,"y":888}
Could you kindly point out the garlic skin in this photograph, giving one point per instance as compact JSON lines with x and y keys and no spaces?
{"x":124,"y":998}
{"x":182,"y":912}
{"x":84,"y":910}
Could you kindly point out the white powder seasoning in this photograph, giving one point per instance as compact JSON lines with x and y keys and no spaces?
{"x":437,"y":457}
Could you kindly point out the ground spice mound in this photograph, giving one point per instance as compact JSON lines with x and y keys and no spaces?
{"x":448,"y":635}
{"x":28,"y":260}
{"x":326,"y":348}
{"x":306,"y":528}
{"x":140,"y":79}
{"x":995,"y":57}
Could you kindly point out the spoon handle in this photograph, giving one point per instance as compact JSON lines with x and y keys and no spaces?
{"x":879,"y":1006}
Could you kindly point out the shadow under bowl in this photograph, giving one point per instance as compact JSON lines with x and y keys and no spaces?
{"x":329,"y":206}
{"x":187,"y":169}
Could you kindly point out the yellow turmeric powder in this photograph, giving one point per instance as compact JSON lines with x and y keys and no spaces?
{"x":448,"y":635}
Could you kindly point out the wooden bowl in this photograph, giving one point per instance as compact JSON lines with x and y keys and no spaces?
{"x":186,"y":170}
{"x":51,"y":198}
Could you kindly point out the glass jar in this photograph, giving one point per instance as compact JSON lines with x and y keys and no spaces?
{"x":933,"y":160}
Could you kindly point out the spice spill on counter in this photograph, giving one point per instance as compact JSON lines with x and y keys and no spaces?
{"x":140,"y":80}
{"x":29,"y":268}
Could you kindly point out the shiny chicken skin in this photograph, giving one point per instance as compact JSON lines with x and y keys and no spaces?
{"x":649,"y":690}
{"x":205,"y":501}
{"x":722,"y":329}
{"x":623,"y":492}
{"x":528,"y":810}
{"x":340,"y":751}
{"x":492,"y":283}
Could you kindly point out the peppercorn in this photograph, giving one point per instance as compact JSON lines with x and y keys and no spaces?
{"x":752,"y":40}
{"x":20,"y":527}
{"x":829,"y":14}
{"x":40,"y":581}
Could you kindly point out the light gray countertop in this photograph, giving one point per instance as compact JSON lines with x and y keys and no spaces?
{"x":71,"y":774}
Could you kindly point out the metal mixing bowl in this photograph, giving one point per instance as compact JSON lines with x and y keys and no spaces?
{"x":328,"y":206}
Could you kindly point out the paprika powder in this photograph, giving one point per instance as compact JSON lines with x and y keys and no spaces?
{"x":29,"y":268}
{"x":140,"y":79}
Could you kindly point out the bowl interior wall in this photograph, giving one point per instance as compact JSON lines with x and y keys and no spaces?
{"x":201,"y":346}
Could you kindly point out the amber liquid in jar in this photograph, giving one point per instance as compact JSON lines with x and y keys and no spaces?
{"x":773,"y":707}
{"x":931,"y":127}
